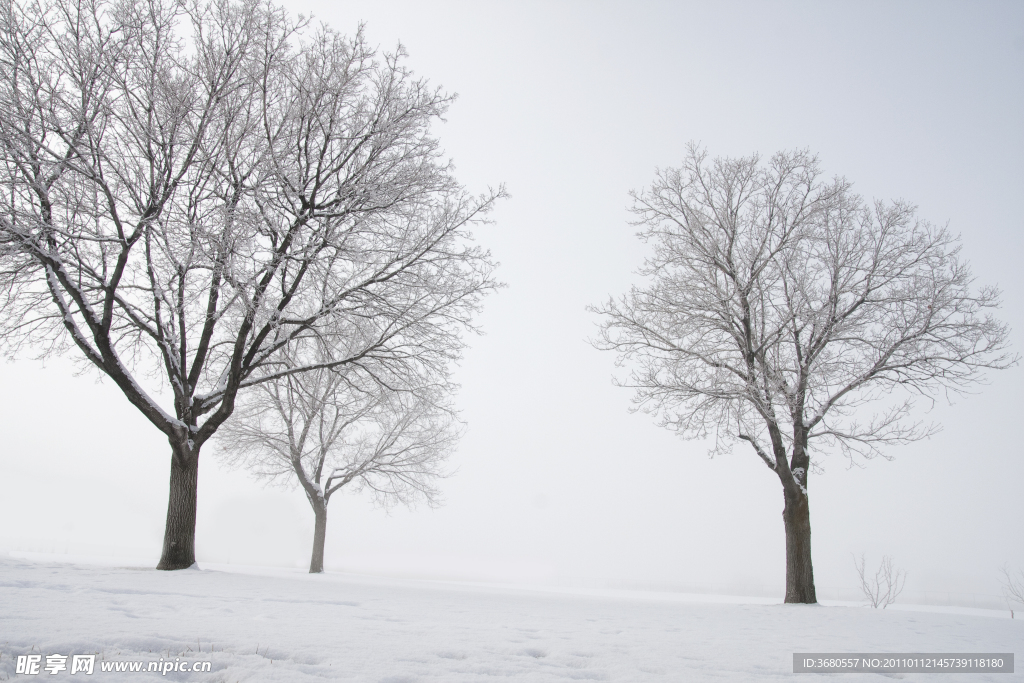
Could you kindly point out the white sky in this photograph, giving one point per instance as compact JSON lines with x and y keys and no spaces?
{"x":572,"y":105}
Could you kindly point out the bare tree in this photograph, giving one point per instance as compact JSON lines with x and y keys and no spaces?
{"x":883,"y":589}
{"x":778,"y":304}
{"x":181,"y":211}
{"x":327,"y":430}
{"x":1013,"y":586}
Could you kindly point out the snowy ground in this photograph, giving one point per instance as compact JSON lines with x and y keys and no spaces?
{"x":280,"y":625}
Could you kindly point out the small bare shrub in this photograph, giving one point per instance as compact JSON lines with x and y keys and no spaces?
{"x":1013,"y":586}
{"x":881,"y":591}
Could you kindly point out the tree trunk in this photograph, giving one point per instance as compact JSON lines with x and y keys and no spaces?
{"x":799,"y":572}
{"x":316,"y":562}
{"x":179,"y":550}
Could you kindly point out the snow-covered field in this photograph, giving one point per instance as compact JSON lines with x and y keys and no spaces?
{"x":281,"y":625}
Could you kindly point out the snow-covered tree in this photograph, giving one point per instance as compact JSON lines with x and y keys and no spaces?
{"x":329,"y":429}
{"x":778,"y":305}
{"x":189,"y":190}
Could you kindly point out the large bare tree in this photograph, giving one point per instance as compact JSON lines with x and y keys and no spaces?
{"x":191,"y":189}
{"x":778,"y":304}
{"x":328,"y":429}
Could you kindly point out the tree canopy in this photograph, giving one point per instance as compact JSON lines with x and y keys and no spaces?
{"x":779,"y":304}
{"x":189,"y":190}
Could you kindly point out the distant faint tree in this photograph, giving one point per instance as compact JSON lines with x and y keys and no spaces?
{"x":777,"y":304}
{"x":1013,"y":586}
{"x":188,"y":190}
{"x":886,"y":585}
{"x":329,"y":429}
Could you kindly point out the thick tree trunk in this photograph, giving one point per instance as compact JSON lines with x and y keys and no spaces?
{"x":179,"y":550}
{"x":316,"y":562}
{"x":799,"y":572}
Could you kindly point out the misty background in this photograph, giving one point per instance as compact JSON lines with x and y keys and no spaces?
{"x":571,"y":105}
